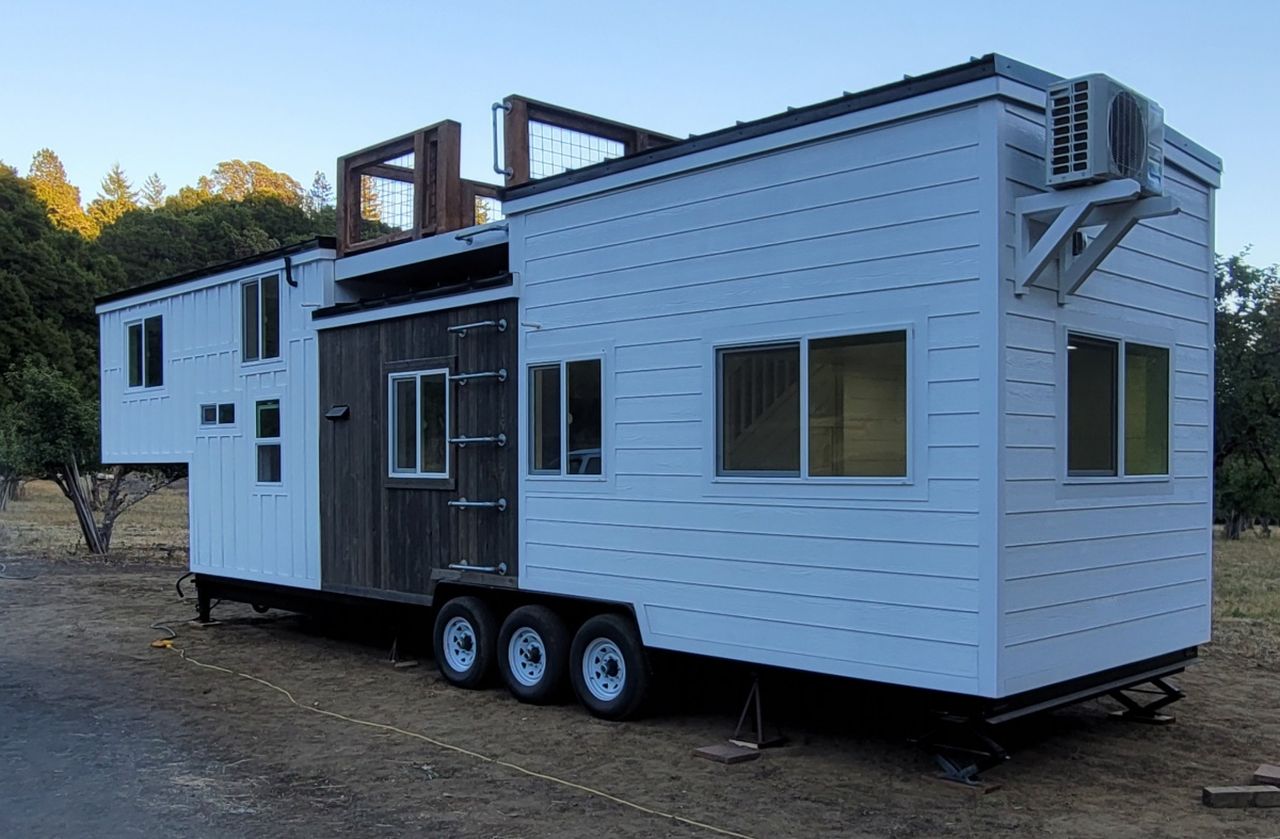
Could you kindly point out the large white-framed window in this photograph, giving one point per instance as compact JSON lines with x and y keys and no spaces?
{"x":1118,"y":408}
{"x":144,"y":351}
{"x":268,"y":442}
{"x":260,"y":318}
{"x":418,"y":423}
{"x":566,"y":418}
{"x":829,"y":407}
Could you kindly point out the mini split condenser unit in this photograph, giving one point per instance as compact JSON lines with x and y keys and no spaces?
{"x":1100,"y":130}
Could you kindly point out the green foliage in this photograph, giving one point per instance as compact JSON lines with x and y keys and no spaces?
{"x":48,"y":279}
{"x":193,"y":231}
{"x":236,"y":180}
{"x":116,"y":198}
{"x":47,"y":423}
{"x":1247,"y":378}
{"x":62,"y":200}
{"x":320,"y":195}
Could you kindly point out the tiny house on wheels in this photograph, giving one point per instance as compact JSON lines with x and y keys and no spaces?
{"x":911,"y":386}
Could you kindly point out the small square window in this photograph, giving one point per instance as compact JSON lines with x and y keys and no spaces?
{"x":227,"y":413}
{"x":208,"y":414}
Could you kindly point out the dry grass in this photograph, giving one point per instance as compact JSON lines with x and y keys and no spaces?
{"x":42,"y":523}
{"x":1246,"y":578}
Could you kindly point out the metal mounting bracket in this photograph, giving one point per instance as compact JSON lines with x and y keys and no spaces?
{"x":1115,"y":205}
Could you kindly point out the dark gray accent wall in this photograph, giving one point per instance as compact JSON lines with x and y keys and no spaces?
{"x":395,"y":537}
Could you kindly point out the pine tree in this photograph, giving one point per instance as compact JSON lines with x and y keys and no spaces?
{"x":48,"y":178}
{"x":153,"y":191}
{"x":321,"y":193}
{"x":116,"y":198}
{"x":370,"y":206}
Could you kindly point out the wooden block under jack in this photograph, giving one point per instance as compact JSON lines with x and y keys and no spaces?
{"x":1267,"y":774}
{"x":727,"y":753}
{"x":405,"y":662}
{"x":199,"y":624}
{"x":974,"y":788}
{"x":756,"y":745}
{"x":1261,"y":795}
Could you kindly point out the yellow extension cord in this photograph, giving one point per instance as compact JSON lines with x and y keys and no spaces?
{"x":459,"y":749}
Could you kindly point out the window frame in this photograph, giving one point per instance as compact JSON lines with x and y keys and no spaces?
{"x":561,"y":362}
{"x":241,"y":287}
{"x":141,"y":324}
{"x":259,"y":441}
{"x":417,"y":374}
{"x":1122,"y":341}
{"x":914,"y":433}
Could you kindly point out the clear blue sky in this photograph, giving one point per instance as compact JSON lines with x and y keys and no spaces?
{"x":175,"y":87}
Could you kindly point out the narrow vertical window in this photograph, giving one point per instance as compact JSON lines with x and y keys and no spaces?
{"x":418,"y":414}
{"x":260,"y":318}
{"x":1146,"y":410}
{"x":544,"y":419}
{"x":134,"y":333}
{"x":759,"y":422}
{"x":858,"y":406}
{"x":268,"y":441}
{"x":1092,"y":406}
{"x":584,"y":418}
{"x":250,"y":337}
{"x":153,"y":359}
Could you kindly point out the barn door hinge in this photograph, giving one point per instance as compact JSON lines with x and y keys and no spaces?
{"x":1047,"y":224}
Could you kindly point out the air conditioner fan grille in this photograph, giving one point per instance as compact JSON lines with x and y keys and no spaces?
{"x":1069,"y":122}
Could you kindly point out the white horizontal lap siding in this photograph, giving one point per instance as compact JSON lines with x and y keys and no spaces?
{"x":1101,"y":576}
{"x":878,"y":228}
{"x":237,"y":528}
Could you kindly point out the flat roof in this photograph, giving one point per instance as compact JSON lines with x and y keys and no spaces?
{"x":975,"y":69}
{"x":318,"y":243}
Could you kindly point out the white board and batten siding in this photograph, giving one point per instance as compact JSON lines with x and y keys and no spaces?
{"x":876,"y":229}
{"x":1100,"y":574}
{"x":238,"y":527}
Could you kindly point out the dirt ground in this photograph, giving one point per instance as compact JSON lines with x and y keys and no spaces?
{"x":99,"y":728}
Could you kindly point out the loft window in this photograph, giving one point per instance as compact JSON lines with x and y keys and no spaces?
{"x":145,"y":343}
{"x":856,"y":425}
{"x":418,"y":430}
{"x":260,"y":318}
{"x":1117,"y":408}
{"x":268,"y":441}
{"x":566,"y":418}
{"x":223,"y":414}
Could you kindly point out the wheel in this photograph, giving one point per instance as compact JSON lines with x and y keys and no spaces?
{"x":260,"y":609}
{"x":609,"y":668}
{"x":533,"y":654}
{"x":464,"y":637}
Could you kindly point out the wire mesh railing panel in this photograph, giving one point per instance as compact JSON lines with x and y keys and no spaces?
{"x":488,"y":209}
{"x":386,"y":206}
{"x":553,"y":149}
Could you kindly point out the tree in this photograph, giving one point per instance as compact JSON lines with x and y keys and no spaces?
{"x":48,"y":279}
{"x":1247,"y":406}
{"x":236,"y":180}
{"x":49,"y":179}
{"x":370,"y":206}
{"x":116,"y":198}
{"x":50,"y":430}
{"x":153,"y":192}
{"x":320,"y":195}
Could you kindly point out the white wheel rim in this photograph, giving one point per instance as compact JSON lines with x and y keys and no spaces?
{"x":527,"y":656}
{"x":604,"y":670}
{"x":460,"y":644}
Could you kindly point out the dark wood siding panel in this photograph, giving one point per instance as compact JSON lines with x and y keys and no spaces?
{"x":385,"y":535}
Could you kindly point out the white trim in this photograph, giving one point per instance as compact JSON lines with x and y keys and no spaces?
{"x":435,"y":304}
{"x":420,"y":250}
{"x":417,"y":376}
{"x":197,"y":283}
{"x":561,"y":362}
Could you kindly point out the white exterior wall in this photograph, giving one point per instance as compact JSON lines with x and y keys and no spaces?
{"x":1096,"y":575}
{"x":872,"y":230}
{"x":238,"y":528}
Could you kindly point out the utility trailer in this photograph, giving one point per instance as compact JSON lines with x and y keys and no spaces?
{"x":904,"y":387}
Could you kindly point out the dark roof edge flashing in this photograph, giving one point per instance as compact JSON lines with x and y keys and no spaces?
{"x":375,"y":303}
{"x":318,"y":243}
{"x":987,"y":66}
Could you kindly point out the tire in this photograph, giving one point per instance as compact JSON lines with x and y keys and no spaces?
{"x":609,"y":668}
{"x":464,"y":638}
{"x":533,"y":654}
